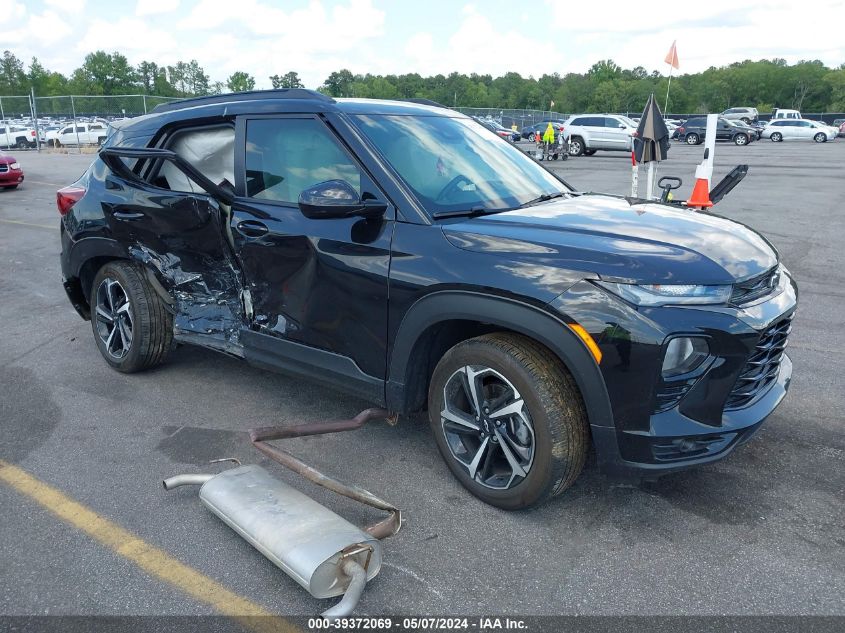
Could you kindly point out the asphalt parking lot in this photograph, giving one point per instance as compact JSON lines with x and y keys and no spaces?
{"x":762,"y":532}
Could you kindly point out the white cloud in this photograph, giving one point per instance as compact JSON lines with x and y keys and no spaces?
{"x":151,"y":7}
{"x":67,"y":6}
{"x":126,"y":35}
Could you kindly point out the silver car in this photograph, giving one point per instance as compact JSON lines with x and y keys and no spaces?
{"x":589,"y":133}
{"x":741,"y":114}
{"x":789,"y":129}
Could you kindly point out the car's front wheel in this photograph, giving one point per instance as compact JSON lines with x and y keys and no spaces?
{"x":777,"y":137}
{"x":508,"y":419}
{"x":740,"y":139}
{"x":132,"y":327}
{"x":692,"y":139}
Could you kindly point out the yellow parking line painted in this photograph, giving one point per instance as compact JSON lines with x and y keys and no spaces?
{"x":152,"y":560}
{"x":38,"y":226}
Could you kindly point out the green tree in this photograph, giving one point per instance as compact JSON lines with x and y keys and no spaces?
{"x":13,"y":80}
{"x":339,"y":83}
{"x":288,"y":80}
{"x":240,"y":81}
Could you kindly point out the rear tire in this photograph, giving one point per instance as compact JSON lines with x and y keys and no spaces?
{"x":132,"y":327}
{"x":542,"y":427}
{"x":576,"y":146}
{"x":22,"y":144}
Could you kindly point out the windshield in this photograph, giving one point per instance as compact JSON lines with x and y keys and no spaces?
{"x":452,"y":164}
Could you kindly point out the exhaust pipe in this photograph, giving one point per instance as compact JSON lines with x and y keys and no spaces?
{"x":185,"y":480}
{"x":320,"y":550}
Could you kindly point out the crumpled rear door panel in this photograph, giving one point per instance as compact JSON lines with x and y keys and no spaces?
{"x":181,"y":238}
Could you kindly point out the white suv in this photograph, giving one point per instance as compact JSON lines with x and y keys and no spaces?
{"x":83,"y":134}
{"x":591,"y":132}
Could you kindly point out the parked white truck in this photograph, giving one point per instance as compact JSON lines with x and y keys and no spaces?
{"x":81,"y":134}
{"x":17,"y":136}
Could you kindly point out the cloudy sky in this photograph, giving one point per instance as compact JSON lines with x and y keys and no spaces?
{"x":315,"y":37}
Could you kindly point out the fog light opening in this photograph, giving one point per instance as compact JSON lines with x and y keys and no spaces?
{"x":683,"y":355}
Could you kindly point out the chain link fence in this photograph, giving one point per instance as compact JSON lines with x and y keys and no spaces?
{"x":47,"y":115}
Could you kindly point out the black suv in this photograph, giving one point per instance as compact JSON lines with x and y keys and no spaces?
{"x":692,"y":132}
{"x":404,"y":254}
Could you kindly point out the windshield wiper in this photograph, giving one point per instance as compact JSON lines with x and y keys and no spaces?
{"x":465,"y":213}
{"x":545,"y":197}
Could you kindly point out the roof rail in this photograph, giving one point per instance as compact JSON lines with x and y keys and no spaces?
{"x":249,"y":95}
{"x":427,"y":102}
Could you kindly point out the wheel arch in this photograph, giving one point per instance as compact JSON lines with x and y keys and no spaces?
{"x":442,"y":319}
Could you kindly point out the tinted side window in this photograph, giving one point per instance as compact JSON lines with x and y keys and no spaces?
{"x":612,"y":123}
{"x":581,"y":120}
{"x":286,"y":156}
{"x":695,"y":123}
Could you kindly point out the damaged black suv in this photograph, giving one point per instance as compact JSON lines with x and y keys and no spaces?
{"x":403,"y":253}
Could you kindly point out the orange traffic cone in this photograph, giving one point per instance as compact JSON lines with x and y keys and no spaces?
{"x":700,"y":194}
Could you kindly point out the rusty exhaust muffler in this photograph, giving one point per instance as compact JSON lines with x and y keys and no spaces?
{"x":322,"y":551}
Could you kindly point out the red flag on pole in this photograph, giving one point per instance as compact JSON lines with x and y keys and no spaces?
{"x":672,"y":55}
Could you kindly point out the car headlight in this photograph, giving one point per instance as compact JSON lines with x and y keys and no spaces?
{"x":15,"y":166}
{"x":669,"y":294}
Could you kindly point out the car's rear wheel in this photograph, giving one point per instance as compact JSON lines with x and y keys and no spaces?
{"x":777,"y":137}
{"x":691,"y":139}
{"x":576,"y":146}
{"x":22,"y":144}
{"x":508,"y":419}
{"x":740,"y":139}
{"x":820,"y":138}
{"x":132,"y":327}
{"x":746,"y":120}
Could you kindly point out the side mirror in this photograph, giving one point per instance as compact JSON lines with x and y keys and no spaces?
{"x":337,"y":199}
{"x":621,"y":126}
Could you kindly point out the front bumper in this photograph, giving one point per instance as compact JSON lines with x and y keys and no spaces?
{"x":653,"y":434}
{"x":11,"y":177}
{"x":706,"y":446}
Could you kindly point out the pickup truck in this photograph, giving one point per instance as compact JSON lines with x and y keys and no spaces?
{"x":16,"y":136}
{"x":84,"y":134}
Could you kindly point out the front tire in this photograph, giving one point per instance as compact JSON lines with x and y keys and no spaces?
{"x":691,"y":139}
{"x":508,"y":420}
{"x":132,"y":327}
{"x":777,"y":137}
{"x":740,"y":139}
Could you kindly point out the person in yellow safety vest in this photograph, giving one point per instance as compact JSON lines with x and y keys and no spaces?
{"x":549,"y":134}
{"x":514,"y":127}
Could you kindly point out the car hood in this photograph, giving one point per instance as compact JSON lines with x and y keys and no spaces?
{"x":608,"y":236}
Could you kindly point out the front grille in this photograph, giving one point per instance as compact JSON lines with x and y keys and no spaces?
{"x":761,"y":368}
{"x":756,"y":287}
{"x":4,"y":169}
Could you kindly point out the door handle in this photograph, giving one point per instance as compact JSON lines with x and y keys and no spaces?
{"x":252,"y":228}
{"x":127,"y":215}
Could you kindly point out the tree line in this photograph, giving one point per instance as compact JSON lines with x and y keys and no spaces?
{"x":605,"y":87}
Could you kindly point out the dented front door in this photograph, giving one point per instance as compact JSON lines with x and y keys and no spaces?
{"x":316,"y":283}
